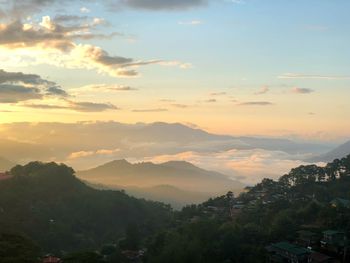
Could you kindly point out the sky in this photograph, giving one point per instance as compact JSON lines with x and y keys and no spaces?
{"x":240,"y":67}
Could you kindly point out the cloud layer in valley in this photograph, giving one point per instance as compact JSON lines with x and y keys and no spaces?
{"x":83,"y":146}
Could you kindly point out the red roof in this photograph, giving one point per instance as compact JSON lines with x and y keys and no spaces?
{"x":51,"y":259}
{"x":4,"y":176}
{"x":319,"y":257}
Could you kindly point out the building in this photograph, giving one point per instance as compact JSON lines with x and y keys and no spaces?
{"x":51,"y":259}
{"x":308,"y":239}
{"x":334,"y":241}
{"x":317,"y":257}
{"x":340,"y":202}
{"x":4,"y":176}
{"x":333,"y":237}
{"x":134,"y":255}
{"x":285,"y":252}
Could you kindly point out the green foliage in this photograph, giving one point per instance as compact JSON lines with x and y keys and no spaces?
{"x":50,"y":205}
{"x":15,"y":248}
{"x":273,"y":211}
{"x":84,"y":257}
{"x":47,"y":203}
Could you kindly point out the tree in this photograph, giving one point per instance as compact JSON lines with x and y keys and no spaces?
{"x":83,"y":257}
{"x":18,"y":249}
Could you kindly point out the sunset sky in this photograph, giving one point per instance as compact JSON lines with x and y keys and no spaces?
{"x":241,"y":67}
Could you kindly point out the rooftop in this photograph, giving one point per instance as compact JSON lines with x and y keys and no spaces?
{"x":332,"y":232}
{"x":341,"y":201}
{"x":291,"y":248}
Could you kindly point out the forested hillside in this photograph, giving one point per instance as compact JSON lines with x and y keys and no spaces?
{"x":44,"y":208}
{"x":60,"y":213}
{"x":296,"y":210}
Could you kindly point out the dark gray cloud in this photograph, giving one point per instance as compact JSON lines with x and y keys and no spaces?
{"x":301,"y":90}
{"x":167,"y":100}
{"x":10,"y":93}
{"x":263,"y":90}
{"x":17,"y":86}
{"x":121,"y":88}
{"x":161,"y":4}
{"x":76,"y":106}
{"x":24,"y":8}
{"x":312,"y":76}
{"x":218,"y":93}
{"x":13,"y":77}
{"x":91,"y":106}
{"x":151,"y":110}
{"x":211,"y":101}
{"x":178,"y":105}
{"x":108,"y":60}
{"x":256,"y":103}
{"x":70,"y":18}
{"x":57,"y":91}
{"x":112,"y":88}
{"x":45,"y":106}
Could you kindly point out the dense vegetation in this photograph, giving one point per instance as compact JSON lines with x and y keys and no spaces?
{"x":49,"y":205}
{"x":271,"y":211}
{"x":46,"y":203}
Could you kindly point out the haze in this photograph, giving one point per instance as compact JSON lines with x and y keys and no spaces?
{"x":89,"y":82}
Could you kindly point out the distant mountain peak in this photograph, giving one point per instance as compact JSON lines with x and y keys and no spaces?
{"x":337,"y":153}
{"x":180,"y":174}
{"x":120,"y":161}
{"x":179,"y":164}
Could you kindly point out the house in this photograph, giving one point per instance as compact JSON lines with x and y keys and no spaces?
{"x":334,"y":241}
{"x":317,"y":257}
{"x":287,"y":252}
{"x":4,"y":176}
{"x":333,"y":237}
{"x":307,"y":238}
{"x":340,"y":202}
{"x":51,"y":259}
{"x":134,"y":255}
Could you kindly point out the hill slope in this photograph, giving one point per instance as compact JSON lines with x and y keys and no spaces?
{"x":179,"y":174}
{"x":337,"y":153}
{"x":47,"y":203}
{"x":296,"y":211}
{"x":167,"y":194}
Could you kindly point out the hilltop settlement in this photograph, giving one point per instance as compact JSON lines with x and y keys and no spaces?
{"x":48,"y":215}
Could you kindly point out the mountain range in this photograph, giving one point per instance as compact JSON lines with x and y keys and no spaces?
{"x":175,"y":182}
{"x":101,"y":141}
{"x":339,"y":152}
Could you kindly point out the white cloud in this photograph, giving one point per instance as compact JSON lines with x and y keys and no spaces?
{"x":54,"y":44}
{"x":263,"y":90}
{"x":85,"y":10}
{"x":250,"y":166}
{"x":84,"y":154}
{"x":191,"y":22}
{"x":312,"y":76}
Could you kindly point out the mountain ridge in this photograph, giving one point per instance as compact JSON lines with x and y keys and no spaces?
{"x":337,"y":153}
{"x":146,"y":175}
{"x":47,"y":202}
